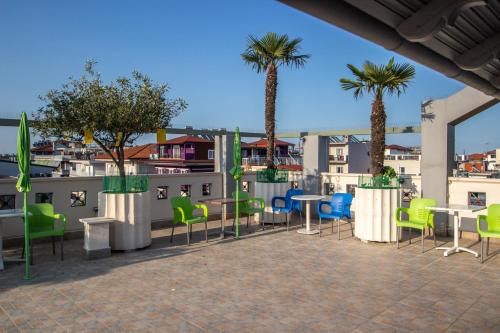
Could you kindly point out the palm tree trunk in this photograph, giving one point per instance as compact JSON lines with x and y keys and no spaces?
{"x":271,"y":85}
{"x":377,"y":134}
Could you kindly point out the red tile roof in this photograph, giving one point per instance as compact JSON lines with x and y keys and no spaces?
{"x":262,"y":143}
{"x":473,"y":167}
{"x":477,"y":156}
{"x":293,"y":167}
{"x":398,"y":147}
{"x":185,"y":139}
{"x":138,"y":152}
{"x":47,"y":148}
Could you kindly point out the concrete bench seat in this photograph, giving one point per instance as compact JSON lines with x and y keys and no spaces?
{"x":96,"y":236}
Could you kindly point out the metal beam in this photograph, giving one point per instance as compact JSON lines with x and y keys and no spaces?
{"x":361,"y":131}
{"x":5,"y":122}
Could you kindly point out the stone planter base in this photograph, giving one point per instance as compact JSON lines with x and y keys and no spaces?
{"x":375,"y":214}
{"x":132,"y":212}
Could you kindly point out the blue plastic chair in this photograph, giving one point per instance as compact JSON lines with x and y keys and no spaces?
{"x":289,"y":205}
{"x":340,"y":207}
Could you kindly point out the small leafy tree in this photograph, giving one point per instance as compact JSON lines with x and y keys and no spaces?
{"x":266,"y":55}
{"x":378,"y":80}
{"x":117,"y":113}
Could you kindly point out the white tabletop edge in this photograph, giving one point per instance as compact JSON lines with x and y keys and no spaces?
{"x":458,"y":208}
{"x":5,"y":213}
{"x":308,"y":197}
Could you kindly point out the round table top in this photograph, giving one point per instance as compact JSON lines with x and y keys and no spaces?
{"x":307,"y":197}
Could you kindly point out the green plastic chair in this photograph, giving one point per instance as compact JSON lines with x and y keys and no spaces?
{"x":493,"y":227}
{"x":41,"y":220}
{"x":249,"y":207}
{"x":418,"y":218}
{"x":183,"y":213}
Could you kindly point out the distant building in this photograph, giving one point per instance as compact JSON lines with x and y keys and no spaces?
{"x":11,"y":169}
{"x":253,"y":155}
{"x":404,"y":160}
{"x":348,"y":154}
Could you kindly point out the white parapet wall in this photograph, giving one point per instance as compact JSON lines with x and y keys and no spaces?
{"x":61,"y":190}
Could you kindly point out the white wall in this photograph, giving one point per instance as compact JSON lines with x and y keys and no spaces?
{"x":62,"y":188}
{"x":412,"y":167}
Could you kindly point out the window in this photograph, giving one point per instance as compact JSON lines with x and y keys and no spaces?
{"x":351,"y":188}
{"x":206,"y":189}
{"x":402,"y":170}
{"x":245,"y":186}
{"x":294,"y":184}
{"x":43,"y":197}
{"x":162,"y":192}
{"x":176,"y":151}
{"x":340,"y":152}
{"x":211,"y":154}
{"x":78,"y":198}
{"x":477,"y":198}
{"x":329,"y":188}
{"x":8,"y":201}
{"x":162,"y":151}
{"x":340,"y":169}
{"x":185,"y":190}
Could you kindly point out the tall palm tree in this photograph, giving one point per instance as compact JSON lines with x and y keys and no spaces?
{"x":266,"y":55}
{"x":378,"y":80}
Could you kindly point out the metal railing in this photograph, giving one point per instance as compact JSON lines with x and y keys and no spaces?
{"x":282,"y":160}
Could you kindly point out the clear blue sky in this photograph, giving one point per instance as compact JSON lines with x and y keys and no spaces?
{"x":195,"y":47}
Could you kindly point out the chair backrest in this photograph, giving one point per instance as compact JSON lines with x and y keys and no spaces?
{"x":417,"y":211}
{"x":185,"y":204}
{"x":493,"y":218}
{"x":288,"y":198}
{"x":341,"y":203}
{"x":40,"y":216}
{"x":242,"y":195}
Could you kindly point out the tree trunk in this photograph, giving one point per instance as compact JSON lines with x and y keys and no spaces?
{"x":271,"y":85}
{"x":377,"y":134}
{"x":121,"y":162}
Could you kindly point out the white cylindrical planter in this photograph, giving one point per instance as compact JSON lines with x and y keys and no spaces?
{"x":375,"y":214}
{"x":132,"y":212}
{"x":267,"y":191}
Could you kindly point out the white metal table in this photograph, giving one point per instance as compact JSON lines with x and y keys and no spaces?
{"x":308,"y":198}
{"x":456,"y":210}
{"x":7,"y":213}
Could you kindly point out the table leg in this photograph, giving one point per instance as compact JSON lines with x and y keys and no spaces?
{"x":456,"y":247}
{"x":308,"y":216}
{"x":307,"y":230}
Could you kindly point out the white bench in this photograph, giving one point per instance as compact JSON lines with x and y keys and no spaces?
{"x":96,"y":244}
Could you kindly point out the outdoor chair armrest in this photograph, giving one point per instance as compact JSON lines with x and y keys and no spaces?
{"x":61,"y":217}
{"x":183,"y":217}
{"x":260,"y":201}
{"x":274,"y":199}
{"x":399,"y":211}
{"x":204,"y":207}
{"x":478,"y":223}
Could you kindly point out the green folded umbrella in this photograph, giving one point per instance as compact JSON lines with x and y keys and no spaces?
{"x":23,"y":182}
{"x":237,"y":172}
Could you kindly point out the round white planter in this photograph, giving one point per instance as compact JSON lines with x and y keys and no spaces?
{"x":267,"y":191}
{"x":133,"y":215}
{"x":375,"y":214}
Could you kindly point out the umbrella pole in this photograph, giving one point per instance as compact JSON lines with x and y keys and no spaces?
{"x":237,"y":222}
{"x":27,"y":274}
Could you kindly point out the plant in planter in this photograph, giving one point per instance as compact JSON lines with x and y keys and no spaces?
{"x":113,"y":115}
{"x":378,"y":197}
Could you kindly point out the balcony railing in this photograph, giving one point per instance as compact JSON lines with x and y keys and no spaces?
{"x":402,"y":157}
{"x":282,"y":160}
{"x":339,"y":158}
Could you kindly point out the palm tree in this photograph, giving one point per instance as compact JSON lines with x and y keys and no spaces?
{"x":378,"y":80}
{"x":266,"y":55}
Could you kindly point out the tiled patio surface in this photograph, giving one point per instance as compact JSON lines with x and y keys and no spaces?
{"x":270,"y":281}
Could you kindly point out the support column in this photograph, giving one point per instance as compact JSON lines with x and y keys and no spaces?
{"x":224,"y":162}
{"x":439,"y":118}
{"x":315,"y":161}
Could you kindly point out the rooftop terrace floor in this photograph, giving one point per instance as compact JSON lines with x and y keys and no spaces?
{"x":272,"y":281}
